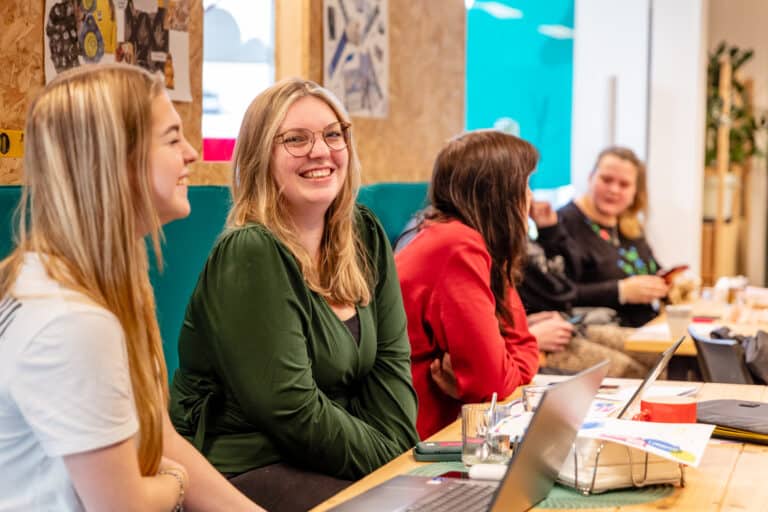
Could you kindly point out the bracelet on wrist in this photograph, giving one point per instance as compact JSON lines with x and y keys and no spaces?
{"x":175,"y":473}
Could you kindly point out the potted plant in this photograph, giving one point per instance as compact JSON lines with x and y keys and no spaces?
{"x":743,"y":125}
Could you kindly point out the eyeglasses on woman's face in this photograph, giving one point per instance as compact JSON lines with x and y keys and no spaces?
{"x":300,"y":141}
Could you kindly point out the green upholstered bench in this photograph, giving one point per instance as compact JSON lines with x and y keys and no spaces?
{"x":188,"y":242}
{"x":9,"y":200}
{"x":394,"y":203}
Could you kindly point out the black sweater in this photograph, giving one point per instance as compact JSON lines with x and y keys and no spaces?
{"x":597,"y":257}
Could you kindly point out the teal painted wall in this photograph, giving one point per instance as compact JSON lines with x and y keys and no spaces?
{"x":519,"y":74}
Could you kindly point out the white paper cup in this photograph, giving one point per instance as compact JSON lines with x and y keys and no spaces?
{"x":678,"y":319}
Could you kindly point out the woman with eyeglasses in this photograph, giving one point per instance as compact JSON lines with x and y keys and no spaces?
{"x":294,"y":373}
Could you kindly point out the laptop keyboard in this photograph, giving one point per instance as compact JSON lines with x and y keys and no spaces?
{"x":461,"y":496}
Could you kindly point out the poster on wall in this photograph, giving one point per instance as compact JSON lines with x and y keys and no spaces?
{"x":153,"y":34}
{"x":356,"y":54}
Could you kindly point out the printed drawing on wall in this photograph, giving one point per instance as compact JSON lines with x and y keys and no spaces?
{"x":356,"y":54}
{"x":153,"y":34}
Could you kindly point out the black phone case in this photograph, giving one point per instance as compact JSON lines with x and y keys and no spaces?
{"x":435,"y":451}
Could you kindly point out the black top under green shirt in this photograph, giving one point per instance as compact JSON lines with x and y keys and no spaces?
{"x":268,"y":373}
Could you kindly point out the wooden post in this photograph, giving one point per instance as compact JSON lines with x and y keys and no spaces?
{"x":746,"y":210}
{"x":723,"y":157}
{"x":299,"y":39}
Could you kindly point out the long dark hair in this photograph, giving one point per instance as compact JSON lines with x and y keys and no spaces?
{"x":481,"y":179}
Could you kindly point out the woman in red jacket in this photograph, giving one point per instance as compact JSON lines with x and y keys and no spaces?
{"x":467,"y":327}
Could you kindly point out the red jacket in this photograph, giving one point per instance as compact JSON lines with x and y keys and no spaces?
{"x":445,"y":279}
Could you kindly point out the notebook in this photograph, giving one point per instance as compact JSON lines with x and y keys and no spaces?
{"x":597,"y":466}
{"x":739,"y":420}
{"x":530,"y":474}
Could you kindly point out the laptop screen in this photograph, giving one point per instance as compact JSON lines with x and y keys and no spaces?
{"x":530,"y":475}
{"x":553,"y":428}
{"x":659,"y":367}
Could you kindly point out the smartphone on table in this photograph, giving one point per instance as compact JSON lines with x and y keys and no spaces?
{"x":437,"y":451}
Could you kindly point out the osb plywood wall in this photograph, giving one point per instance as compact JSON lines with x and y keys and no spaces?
{"x":21,"y":55}
{"x":426,"y":82}
{"x":426,"y":87}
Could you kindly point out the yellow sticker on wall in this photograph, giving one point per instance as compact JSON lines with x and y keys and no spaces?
{"x":11,"y":143}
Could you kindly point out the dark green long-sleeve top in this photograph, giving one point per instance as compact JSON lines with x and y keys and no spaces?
{"x":269,"y":373}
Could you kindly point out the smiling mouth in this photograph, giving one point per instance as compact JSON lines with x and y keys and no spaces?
{"x":314,"y":174}
{"x":184,"y":180}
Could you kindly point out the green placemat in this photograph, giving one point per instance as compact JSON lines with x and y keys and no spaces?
{"x":438,"y":468}
{"x":565,"y":497}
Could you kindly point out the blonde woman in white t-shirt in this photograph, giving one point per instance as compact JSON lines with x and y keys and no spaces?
{"x":83,"y":384}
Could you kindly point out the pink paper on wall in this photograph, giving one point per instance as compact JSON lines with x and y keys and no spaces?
{"x":217,"y":150}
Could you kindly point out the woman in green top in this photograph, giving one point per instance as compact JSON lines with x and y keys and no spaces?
{"x":294,"y":358}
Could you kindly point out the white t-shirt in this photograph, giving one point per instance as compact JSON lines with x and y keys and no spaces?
{"x":64,"y":389}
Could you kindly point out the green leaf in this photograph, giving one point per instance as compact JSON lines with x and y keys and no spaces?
{"x":720,"y":49}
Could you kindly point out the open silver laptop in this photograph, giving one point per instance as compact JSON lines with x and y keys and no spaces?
{"x":650,"y":378}
{"x":531,"y":472}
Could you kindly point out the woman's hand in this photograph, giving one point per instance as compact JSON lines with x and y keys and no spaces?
{"x":535,"y":318}
{"x":553,"y":333}
{"x":642,"y":289}
{"x":442,"y":374}
{"x":109,"y":479}
{"x":543,"y":214}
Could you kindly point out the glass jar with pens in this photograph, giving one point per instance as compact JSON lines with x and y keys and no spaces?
{"x":489,"y":432}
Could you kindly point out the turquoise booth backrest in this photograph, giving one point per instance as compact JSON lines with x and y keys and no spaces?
{"x":394,"y":203}
{"x":9,"y":199}
{"x":188,"y":242}
{"x":186,"y":247}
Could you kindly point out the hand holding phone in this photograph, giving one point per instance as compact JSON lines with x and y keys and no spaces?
{"x":669,"y":274}
{"x":575,"y":319}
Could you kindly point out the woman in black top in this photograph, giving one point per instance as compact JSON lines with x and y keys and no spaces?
{"x":601,"y":236}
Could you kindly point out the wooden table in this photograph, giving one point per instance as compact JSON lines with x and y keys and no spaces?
{"x":657,"y":345}
{"x":730,"y":477}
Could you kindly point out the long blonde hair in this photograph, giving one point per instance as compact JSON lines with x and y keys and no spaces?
{"x":86,"y":198}
{"x":340,"y":274}
{"x":630,"y":220}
